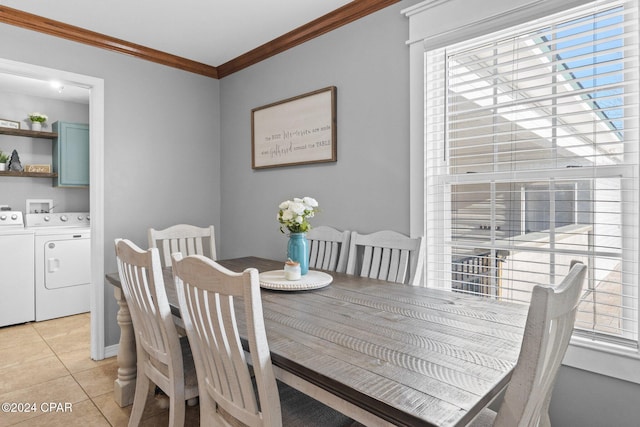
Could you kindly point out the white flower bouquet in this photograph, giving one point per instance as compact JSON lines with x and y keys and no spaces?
{"x":38,"y":117}
{"x":293,"y":214}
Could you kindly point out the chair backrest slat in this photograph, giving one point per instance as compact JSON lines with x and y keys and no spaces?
{"x":330,"y":258}
{"x":394,"y":268}
{"x":324,"y":255}
{"x":368,"y":263}
{"x":404,"y":260}
{"x":380,"y":263}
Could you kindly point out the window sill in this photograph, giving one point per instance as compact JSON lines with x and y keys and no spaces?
{"x":604,"y":359}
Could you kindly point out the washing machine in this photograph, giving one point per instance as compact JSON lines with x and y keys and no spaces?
{"x":62,"y":256}
{"x":16,"y":270}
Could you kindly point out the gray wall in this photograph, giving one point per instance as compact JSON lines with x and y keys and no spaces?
{"x":585,"y":399}
{"x":161,"y":141}
{"x":368,"y":188}
{"x":15,"y":191}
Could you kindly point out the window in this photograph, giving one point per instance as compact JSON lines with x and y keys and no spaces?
{"x":531,"y":162}
{"x":537,"y":207}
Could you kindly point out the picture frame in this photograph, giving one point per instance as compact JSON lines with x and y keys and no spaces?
{"x":295,"y":131}
{"x":4,"y":123}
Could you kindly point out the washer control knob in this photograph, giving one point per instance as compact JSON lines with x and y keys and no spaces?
{"x":64,"y":218}
{"x":14,"y":217}
{"x":47,"y":218}
{"x":3,"y":217}
{"x":80,"y":217}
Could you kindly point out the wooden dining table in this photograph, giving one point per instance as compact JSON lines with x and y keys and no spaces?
{"x":380,"y":352}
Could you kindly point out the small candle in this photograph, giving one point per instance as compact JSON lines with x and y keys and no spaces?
{"x":292,"y":270}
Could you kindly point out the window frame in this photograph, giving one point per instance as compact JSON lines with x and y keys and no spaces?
{"x":426,"y":32}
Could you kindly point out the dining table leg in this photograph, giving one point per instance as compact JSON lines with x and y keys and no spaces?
{"x":125,"y":385}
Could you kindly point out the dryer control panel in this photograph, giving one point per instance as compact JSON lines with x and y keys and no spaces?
{"x":65,"y":219}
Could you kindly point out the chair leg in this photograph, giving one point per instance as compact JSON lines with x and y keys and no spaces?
{"x":176,"y":409}
{"x":139,"y":398}
{"x":208,"y":415}
{"x":545,"y":421}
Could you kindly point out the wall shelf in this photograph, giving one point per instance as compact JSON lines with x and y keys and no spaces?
{"x":28,"y":133}
{"x":28,"y":174}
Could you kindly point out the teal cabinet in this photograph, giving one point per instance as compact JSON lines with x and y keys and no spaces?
{"x":71,"y":154}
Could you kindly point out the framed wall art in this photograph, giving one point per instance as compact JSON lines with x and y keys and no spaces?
{"x":295,"y":131}
{"x":9,"y":124}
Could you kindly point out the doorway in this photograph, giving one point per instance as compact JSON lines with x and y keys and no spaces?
{"x":96,"y":184}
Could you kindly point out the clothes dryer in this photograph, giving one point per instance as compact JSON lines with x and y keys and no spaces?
{"x":62,"y":263}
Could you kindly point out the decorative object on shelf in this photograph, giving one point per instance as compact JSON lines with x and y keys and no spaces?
{"x":14,"y":163}
{"x":38,"y":168}
{"x":4,"y":158}
{"x":9,"y":124}
{"x":295,"y":131}
{"x":37,"y":120}
{"x":293,"y":216}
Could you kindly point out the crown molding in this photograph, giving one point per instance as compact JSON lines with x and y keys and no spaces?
{"x":38,"y":23}
{"x":344,"y":15}
{"x":326,"y":23}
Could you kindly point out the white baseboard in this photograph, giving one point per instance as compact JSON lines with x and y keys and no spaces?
{"x":111,"y":350}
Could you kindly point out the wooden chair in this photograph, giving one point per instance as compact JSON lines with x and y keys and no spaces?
{"x":187,"y":239}
{"x":386,"y":255}
{"x":550,"y":320}
{"x":207,"y":293}
{"x":163,"y":357}
{"x":329,"y":248}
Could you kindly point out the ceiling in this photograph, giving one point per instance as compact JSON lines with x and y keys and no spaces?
{"x":46,"y":89}
{"x":208,"y":31}
{"x":211,"y":32}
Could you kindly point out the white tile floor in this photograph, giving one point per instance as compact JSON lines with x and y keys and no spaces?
{"x":48,"y":362}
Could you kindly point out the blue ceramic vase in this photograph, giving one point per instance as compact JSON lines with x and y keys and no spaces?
{"x":298,"y":250}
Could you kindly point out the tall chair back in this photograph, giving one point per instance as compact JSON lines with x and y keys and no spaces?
{"x":161,"y":355}
{"x":548,"y":329}
{"x":386,"y":255}
{"x":329,"y":248}
{"x":183,"y":238}
{"x":206,"y":293}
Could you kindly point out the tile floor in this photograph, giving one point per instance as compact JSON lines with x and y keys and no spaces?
{"x":48,"y":362}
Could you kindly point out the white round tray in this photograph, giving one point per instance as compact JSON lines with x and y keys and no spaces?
{"x":312,"y":280}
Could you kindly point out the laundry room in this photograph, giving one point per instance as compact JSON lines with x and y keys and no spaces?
{"x":44,"y":200}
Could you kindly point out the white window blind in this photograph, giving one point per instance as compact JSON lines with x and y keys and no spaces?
{"x":532,"y":162}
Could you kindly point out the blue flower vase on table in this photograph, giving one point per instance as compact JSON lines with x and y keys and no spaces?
{"x":298,"y":250}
